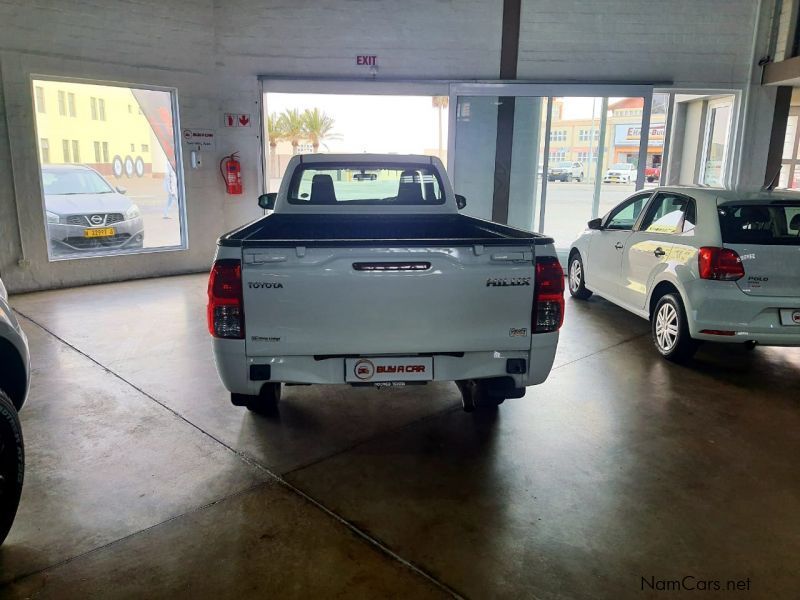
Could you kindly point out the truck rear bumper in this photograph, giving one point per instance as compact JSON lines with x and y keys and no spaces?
{"x":233,"y":365}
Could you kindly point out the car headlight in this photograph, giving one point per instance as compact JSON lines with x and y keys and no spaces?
{"x":132,"y":212}
{"x":52,"y":218}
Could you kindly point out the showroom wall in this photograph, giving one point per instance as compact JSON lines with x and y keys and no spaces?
{"x":213,"y":51}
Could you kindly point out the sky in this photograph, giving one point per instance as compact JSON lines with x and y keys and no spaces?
{"x":400,"y":124}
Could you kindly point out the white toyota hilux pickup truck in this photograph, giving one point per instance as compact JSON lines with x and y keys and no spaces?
{"x":380,"y":281}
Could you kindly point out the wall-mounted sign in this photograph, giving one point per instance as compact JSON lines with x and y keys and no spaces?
{"x":629,"y":135}
{"x":365,"y":60}
{"x":237,"y":120}
{"x":201,"y":139}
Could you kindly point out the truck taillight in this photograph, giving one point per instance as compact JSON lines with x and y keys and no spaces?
{"x":548,"y":300}
{"x":721,"y":264}
{"x":225,"y":303}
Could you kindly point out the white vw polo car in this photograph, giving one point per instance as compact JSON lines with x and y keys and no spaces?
{"x":700,"y":264}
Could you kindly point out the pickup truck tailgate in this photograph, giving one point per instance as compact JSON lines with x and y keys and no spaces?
{"x":398,"y":300}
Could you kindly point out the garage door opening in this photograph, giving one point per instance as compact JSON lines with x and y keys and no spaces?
{"x":300,"y":123}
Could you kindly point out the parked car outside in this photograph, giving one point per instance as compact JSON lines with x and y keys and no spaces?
{"x":620,"y":173}
{"x":652,"y":174}
{"x":14,"y":383}
{"x":85,"y":213}
{"x":566,"y":170}
{"x":700,"y":264}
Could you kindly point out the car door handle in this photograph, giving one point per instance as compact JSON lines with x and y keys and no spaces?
{"x":619,"y":245}
{"x":659,"y":252}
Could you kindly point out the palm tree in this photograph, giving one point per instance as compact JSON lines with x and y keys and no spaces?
{"x":275,"y":134}
{"x":292,"y":126}
{"x":440,"y":103}
{"x":318,"y":127}
{"x":274,"y":130}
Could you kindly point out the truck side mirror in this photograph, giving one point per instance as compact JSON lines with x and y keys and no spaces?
{"x":267,"y":201}
{"x":595,"y":224}
{"x":461,"y":201}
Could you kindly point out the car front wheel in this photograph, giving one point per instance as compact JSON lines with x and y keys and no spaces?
{"x":12,"y":464}
{"x":670,"y":329}
{"x":577,"y":284}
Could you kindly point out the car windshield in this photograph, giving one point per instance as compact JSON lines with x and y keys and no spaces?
{"x":564,"y":165}
{"x":622,"y":167}
{"x":761,"y":224}
{"x":377,"y":184}
{"x":71,"y":182}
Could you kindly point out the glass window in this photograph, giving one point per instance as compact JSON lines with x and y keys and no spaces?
{"x":378,"y":184}
{"x":761,"y":224}
{"x":118,"y":200}
{"x":40,"y":99}
{"x":666,"y":214}
{"x":624,"y":217}
{"x":716,"y":145}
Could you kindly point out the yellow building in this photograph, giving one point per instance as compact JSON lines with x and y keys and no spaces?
{"x":570,"y":138}
{"x":97,"y":125}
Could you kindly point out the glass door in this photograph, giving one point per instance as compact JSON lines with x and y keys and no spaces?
{"x":491,"y":171}
{"x":549,"y":158}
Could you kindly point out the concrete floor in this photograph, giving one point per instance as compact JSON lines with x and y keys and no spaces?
{"x":142,"y":479}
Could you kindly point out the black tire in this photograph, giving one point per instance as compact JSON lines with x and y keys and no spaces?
{"x":265,"y":403}
{"x":575,"y":278}
{"x":12,"y":464}
{"x":580,"y":178}
{"x":475,"y":396}
{"x":670,"y":331}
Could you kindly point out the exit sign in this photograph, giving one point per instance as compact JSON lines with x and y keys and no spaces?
{"x":365,"y":60}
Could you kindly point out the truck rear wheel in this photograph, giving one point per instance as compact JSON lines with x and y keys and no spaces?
{"x":265,"y":403}
{"x":487,"y":394}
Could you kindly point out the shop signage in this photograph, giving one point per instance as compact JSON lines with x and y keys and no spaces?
{"x":201,"y":139}
{"x":629,"y":134}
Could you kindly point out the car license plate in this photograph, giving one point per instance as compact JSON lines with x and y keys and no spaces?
{"x":790,"y":316}
{"x":99,"y":232}
{"x":389,"y":368}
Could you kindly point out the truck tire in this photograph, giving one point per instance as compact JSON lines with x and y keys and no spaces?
{"x":475,"y":395}
{"x":12,"y":464}
{"x":670,"y":330}
{"x":265,"y":403}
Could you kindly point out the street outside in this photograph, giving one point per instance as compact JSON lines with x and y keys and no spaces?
{"x":569,"y":207}
{"x":149,"y":195}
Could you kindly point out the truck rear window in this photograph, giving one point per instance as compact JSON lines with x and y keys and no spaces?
{"x":761,"y":224}
{"x":365,"y":184}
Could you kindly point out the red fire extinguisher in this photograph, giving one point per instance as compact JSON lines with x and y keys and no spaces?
{"x":231,"y":170}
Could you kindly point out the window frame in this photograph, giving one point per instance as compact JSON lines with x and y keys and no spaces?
{"x":647,"y":197}
{"x":679,"y":226}
{"x":182,"y":201}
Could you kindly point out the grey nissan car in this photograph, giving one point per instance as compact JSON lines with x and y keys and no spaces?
{"x":85,"y":213}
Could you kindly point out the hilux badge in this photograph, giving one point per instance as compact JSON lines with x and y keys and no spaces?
{"x":507,"y":281}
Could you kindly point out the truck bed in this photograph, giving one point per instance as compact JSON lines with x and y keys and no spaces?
{"x":372,"y":230}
